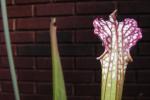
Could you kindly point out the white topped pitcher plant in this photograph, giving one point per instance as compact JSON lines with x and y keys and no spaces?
{"x":117,"y":38}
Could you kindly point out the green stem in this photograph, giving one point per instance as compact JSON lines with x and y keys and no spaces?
{"x":9,"y":50}
{"x":112,"y":77}
{"x":59,"y":92}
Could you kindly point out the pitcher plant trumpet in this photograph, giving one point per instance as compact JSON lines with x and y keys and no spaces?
{"x":117,"y":38}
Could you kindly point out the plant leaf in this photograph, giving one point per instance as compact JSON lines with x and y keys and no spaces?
{"x":59,"y":91}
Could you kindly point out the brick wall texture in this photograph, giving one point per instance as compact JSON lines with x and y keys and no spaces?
{"x":29,"y":26}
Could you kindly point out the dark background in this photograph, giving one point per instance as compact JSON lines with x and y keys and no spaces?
{"x":29,"y":25}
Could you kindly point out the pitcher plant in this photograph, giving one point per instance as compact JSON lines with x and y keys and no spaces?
{"x":117,"y":38}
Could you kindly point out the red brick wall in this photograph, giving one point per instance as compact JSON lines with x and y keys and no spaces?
{"x":29,"y":25}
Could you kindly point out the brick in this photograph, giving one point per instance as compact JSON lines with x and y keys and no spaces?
{"x":95,"y":7}
{"x":88,"y":0}
{"x":84,"y":22}
{"x":80,"y":98}
{"x":26,"y":88}
{"x":99,"y":49}
{"x":6,"y":96}
{"x":98,"y":76}
{"x":130,"y":76}
{"x":9,"y":2}
{"x":144,"y":21}
{"x":83,"y":90}
{"x":130,"y":90}
{"x":64,"y":49}
{"x":55,"y":9}
{"x":145,"y":34}
{"x":33,"y":50}
{"x":19,"y":11}
{"x":91,"y":63}
{"x":144,"y":49}
{"x":76,"y":50}
{"x":121,"y":17}
{"x":62,"y":37}
{"x":143,"y":98}
{"x":42,"y":37}
{"x":139,"y":7}
{"x":65,"y":36}
{"x":30,"y":1}
{"x":45,"y":76}
{"x":66,"y":22}
{"x":11,"y":23}
{"x":5,"y":75}
{"x":74,"y":22}
{"x":79,"y":76}
{"x":36,"y":97}
{"x":64,"y":0}
{"x":43,"y":88}
{"x":4,"y":51}
{"x":45,"y":62}
{"x":139,"y":63}
{"x":128,"y":98}
{"x":3,"y":48}
{"x":32,"y":23}
{"x":20,"y":62}
{"x":143,"y":76}
{"x":34,"y":76}
{"x":19,"y":37}
{"x":143,"y":90}
{"x":86,"y":36}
